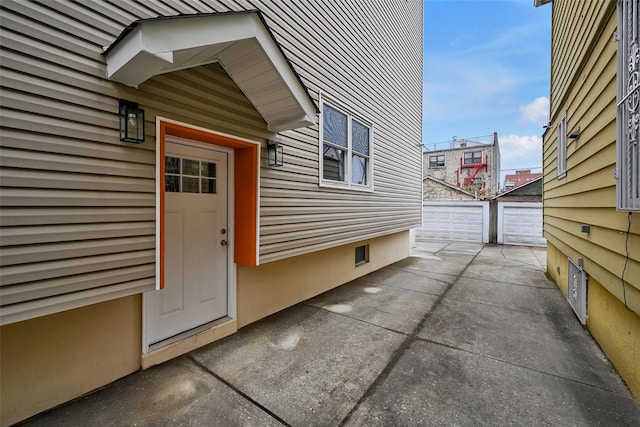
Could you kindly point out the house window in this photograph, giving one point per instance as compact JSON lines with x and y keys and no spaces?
{"x":362,"y":254}
{"x":472,"y":157}
{"x":628,"y":116}
{"x":436,"y":161}
{"x":477,"y":182}
{"x":346,"y":149}
{"x":562,"y":147}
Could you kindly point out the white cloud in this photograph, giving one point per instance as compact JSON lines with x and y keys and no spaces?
{"x":536,"y":112}
{"x":520,"y":152}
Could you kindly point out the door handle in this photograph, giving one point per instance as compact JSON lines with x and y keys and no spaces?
{"x":223,"y":242}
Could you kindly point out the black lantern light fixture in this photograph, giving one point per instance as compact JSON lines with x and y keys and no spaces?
{"x":131,"y":122}
{"x":275,"y":153}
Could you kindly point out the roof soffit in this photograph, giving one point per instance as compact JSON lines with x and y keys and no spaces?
{"x":240,"y":42}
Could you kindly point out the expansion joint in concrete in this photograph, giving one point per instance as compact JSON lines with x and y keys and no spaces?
{"x":399,"y":352}
{"x":237,"y":390}
{"x":528,"y":368}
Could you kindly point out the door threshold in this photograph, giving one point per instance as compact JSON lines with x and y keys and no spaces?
{"x":187,"y":341}
{"x":186,"y":334}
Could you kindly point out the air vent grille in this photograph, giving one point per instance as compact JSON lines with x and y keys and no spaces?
{"x":577,"y":294}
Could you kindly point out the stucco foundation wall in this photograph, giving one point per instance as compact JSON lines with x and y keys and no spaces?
{"x":617,"y":330}
{"x":49,"y":360}
{"x":557,"y":267}
{"x":274,"y":286}
{"x":613,"y":326}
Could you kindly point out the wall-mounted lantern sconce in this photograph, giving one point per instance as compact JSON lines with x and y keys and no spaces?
{"x":131,"y":122}
{"x":585,"y":228}
{"x":275,"y":153}
{"x":575,"y":134}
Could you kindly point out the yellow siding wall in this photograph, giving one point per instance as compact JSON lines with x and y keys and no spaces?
{"x":49,"y":360}
{"x":570,"y":43}
{"x":587,"y":195}
{"x":583,"y":84}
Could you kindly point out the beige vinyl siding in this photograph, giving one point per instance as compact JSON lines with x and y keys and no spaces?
{"x":366,"y":82}
{"x":78,"y":206}
{"x":587,"y":195}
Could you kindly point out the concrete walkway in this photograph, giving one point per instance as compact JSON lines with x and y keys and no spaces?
{"x":458,"y":334}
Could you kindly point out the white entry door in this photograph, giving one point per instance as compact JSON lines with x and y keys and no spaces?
{"x":195,"y":241}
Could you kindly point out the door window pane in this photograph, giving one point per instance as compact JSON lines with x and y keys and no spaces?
{"x":172,"y":165}
{"x":190,"y":185}
{"x":172,"y":183}
{"x":208,"y":169}
{"x":208,"y":186}
{"x":190,"y":167}
{"x":195,"y":176}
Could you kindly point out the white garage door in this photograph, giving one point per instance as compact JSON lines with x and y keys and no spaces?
{"x":453,"y":220}
{"x":520,"y":223}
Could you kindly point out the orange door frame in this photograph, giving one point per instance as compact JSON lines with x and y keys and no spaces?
{"x":246,"y":163}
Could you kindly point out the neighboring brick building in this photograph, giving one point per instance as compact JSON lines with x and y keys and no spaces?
{"x":465,"y":163}
{"x":521,"y":177}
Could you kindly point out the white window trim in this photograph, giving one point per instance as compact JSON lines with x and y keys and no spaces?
{"x":347,"y":184}
{"x":444,"y":162}
{"x":627,"y":149}
{"x":472,"y":153}
{"x":562,"y":147}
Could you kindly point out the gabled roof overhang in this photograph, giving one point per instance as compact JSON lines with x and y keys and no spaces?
{"x":538,"y":3}
{"x":240,"y":41}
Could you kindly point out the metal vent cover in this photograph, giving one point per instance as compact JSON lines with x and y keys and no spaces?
{"x":577,"y":291}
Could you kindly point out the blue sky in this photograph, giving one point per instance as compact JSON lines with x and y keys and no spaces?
{"x":486,"y":69}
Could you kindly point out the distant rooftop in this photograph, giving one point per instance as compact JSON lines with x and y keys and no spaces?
{"x":456,"y":142}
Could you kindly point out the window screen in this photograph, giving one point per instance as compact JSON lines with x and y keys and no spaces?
{"x":346,"y":148}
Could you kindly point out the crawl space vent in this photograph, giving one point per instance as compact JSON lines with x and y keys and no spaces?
{"x":577,"y":294}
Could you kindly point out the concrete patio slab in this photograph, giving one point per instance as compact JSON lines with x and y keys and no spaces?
{"x":415,"y":281}
{"x":445,"y":249}
{"x":552,"y":342}
{"x":439,"y":386}
{"x":448,"y":337}
{"x":385,"y":306}
{"x":433,"y":268}
{"x":527,"y":298}
{"x":174,"y":393}
{"x":429,"y":246}
{"x":308,"y":366}
{"x":514,"y":273}
{"x":513,"y":254}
